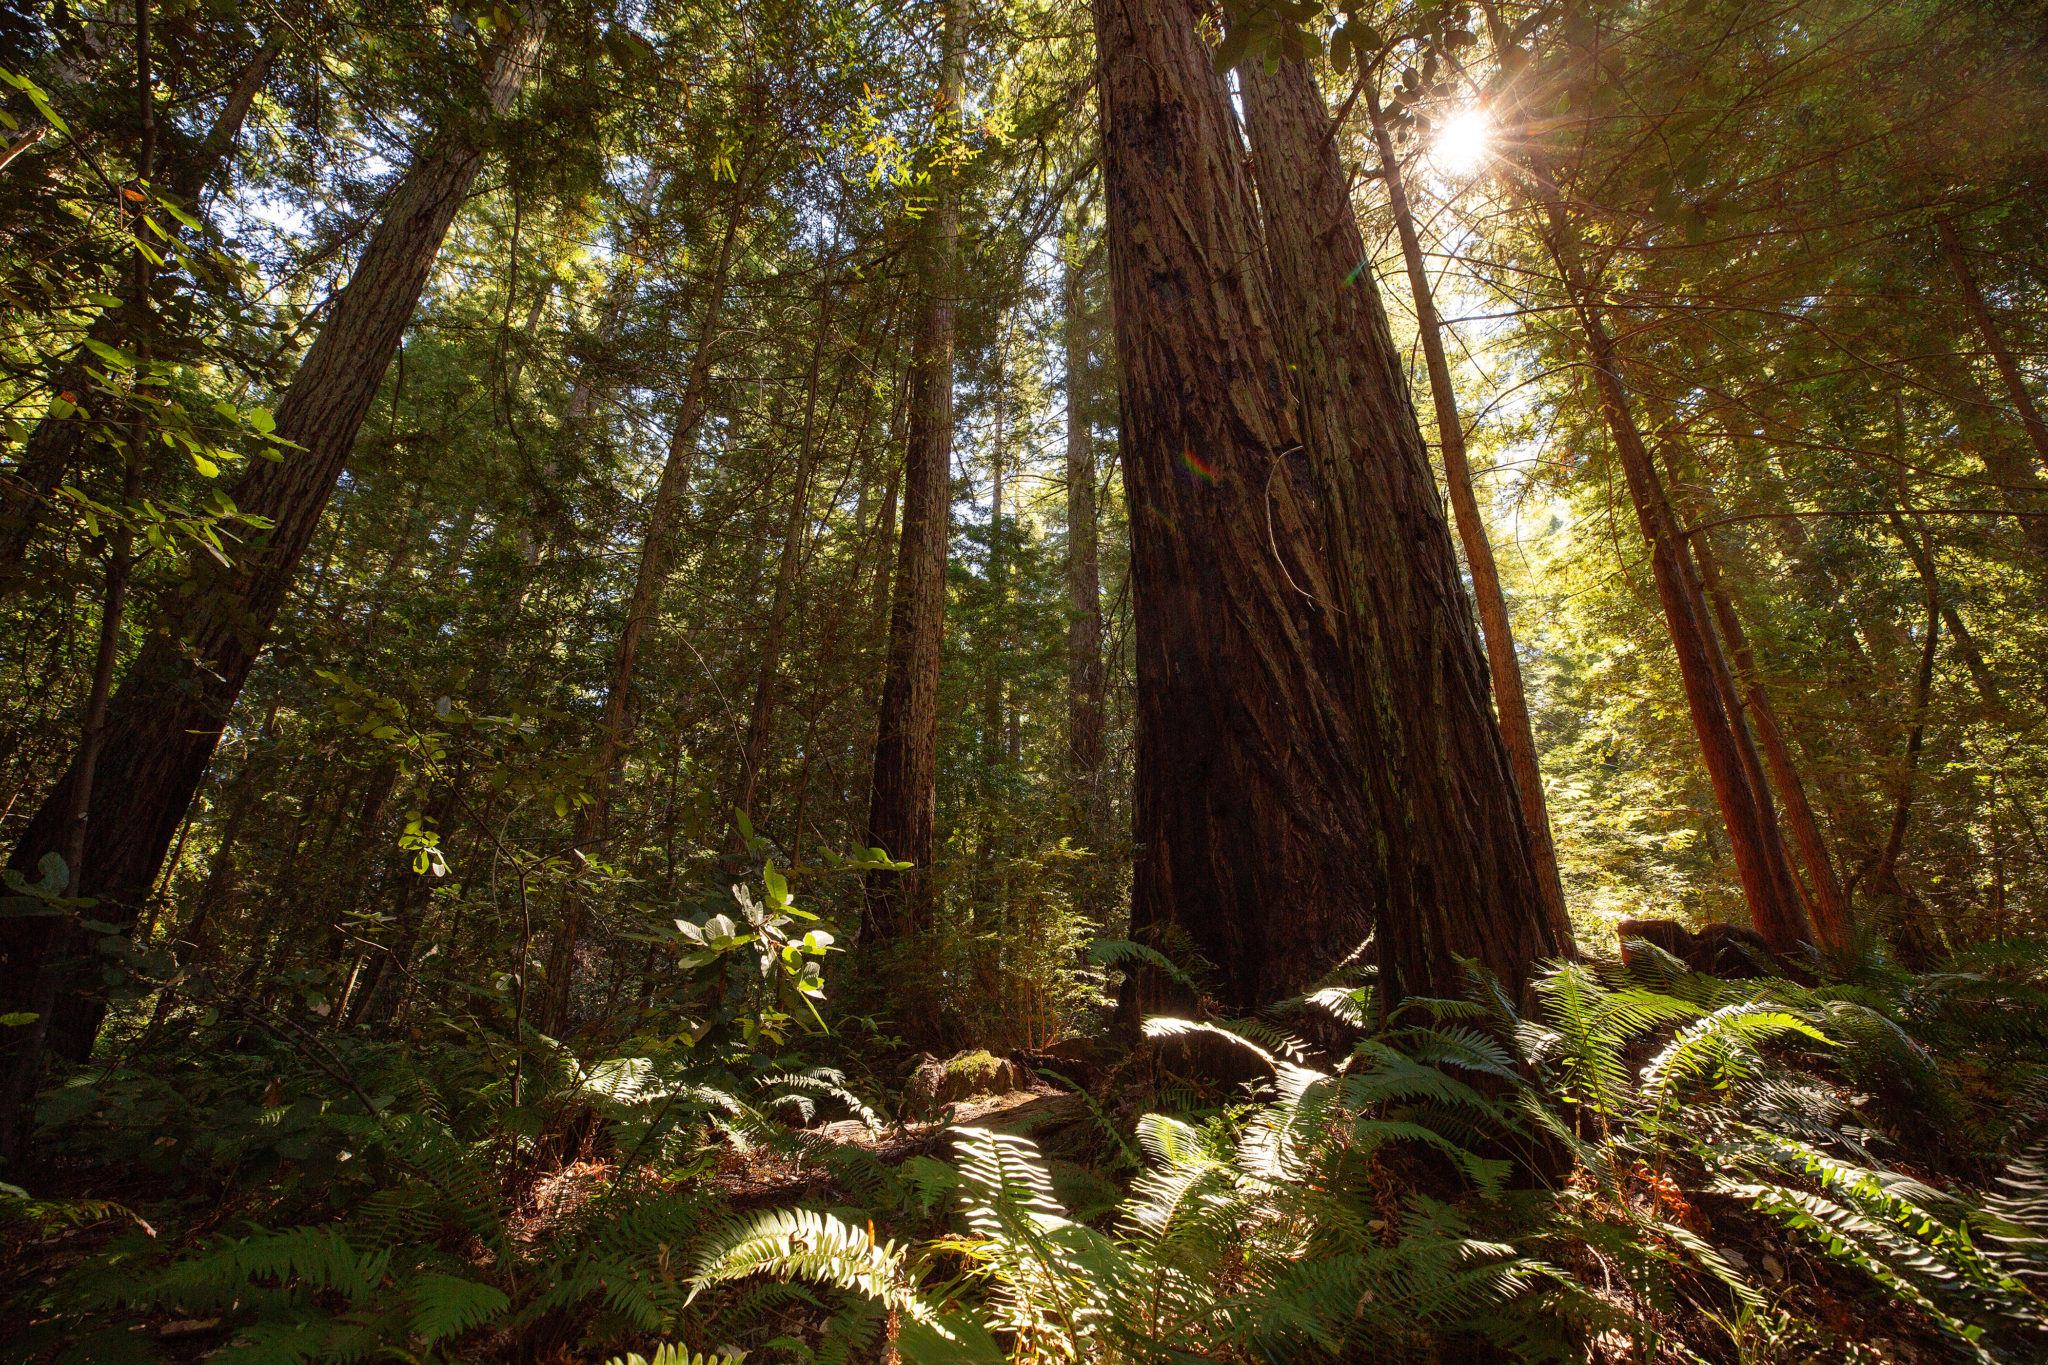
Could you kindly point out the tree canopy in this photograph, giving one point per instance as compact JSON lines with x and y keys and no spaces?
{"x":611,"y":614}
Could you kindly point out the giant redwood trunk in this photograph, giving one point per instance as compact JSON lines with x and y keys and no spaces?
{"x":1257,"y":844}
{"x":175,"y":698}
{"x":1450,"y":871}
{"x":903,"y":800}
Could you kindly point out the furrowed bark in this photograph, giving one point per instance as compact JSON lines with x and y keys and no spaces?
{"x":1449,"y":869}
{"x":1255,"y":845}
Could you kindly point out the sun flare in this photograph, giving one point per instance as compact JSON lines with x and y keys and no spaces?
{"x":1462,"y":142}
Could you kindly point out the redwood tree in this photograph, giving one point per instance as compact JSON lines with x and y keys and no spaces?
{"x":1509,"y":698}
{"x":1451,"y":869}
{"x":1256,"y":842}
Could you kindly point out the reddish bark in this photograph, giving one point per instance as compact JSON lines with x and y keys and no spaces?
{"x":1255,"y":846}
{"x":1780,"y":920}
{"x":1448,"y":865}
{"x":1504,"y":667}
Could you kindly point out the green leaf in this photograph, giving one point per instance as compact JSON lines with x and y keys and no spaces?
{"x":113,"y":355}
{"x":1232,"y":49}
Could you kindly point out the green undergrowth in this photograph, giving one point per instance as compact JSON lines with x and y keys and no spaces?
{"x":1648,"y":1164}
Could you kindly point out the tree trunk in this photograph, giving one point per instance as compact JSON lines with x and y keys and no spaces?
{"x":1910,"y":933}
{"x":1255,"y":845}
{"x":992,"y":746}
{"x":1981,"y":676}
{"x":1084,"y":575}
{"x":902,"y":803}
{"x":1448,"y":869}
{"x":1994,"y":342}
{"x":657,"y":552}
{"x":1781,"y":923}
{"x":1504,"y":667}
{"x":1834,"y":920}
{"x":761,"y":719}
{"x":169,"y":711}
{"x":65,"y":940}
{"x":1790,"y":890}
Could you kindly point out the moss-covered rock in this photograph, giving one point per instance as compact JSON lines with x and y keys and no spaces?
{"x":967,"y":1074}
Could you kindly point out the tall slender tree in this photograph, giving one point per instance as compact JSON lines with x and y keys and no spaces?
{"x":1776,"y":913}
{"x":656,"y":555}
{"x":902,"y":806}
{"x":1083,"y":567}
{"x":1505,"y":668}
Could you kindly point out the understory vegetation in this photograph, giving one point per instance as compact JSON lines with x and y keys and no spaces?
{"x":1023,"y":681}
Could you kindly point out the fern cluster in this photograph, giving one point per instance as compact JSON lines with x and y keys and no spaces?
{"x":1382,"y":1207}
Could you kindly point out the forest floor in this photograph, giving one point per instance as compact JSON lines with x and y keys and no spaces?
{"x":760,"y":1178}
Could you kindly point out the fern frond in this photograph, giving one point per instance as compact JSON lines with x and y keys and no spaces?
{"x":808,"y":1245}
{"x":1727,"y":1039}
{"x":448,"y":1305}
{"x":1126,"y":955}
{"x":1004,"y":1171}
{"x":1162,"y":1027}
{"x":669,"y":1354}
{"x":1356,"y":1006}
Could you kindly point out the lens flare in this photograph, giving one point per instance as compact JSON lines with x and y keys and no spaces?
{"x":1462,"y":142}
